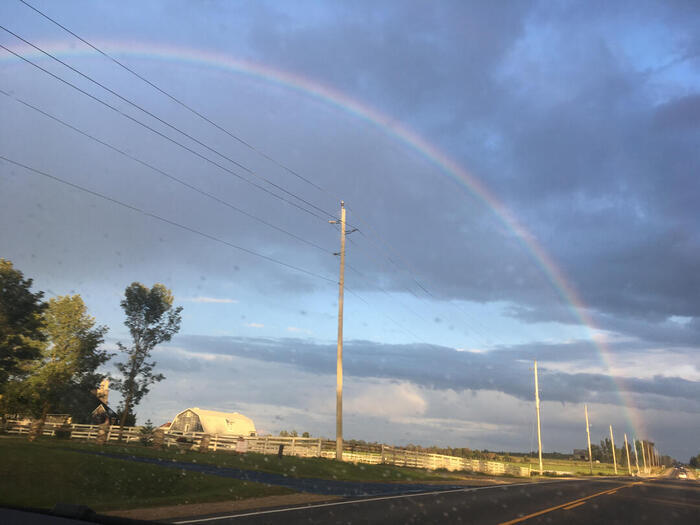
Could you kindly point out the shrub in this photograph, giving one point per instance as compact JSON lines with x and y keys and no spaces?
{"x":147,"y":431}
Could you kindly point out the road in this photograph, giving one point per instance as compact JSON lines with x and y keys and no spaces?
{"x":623,"y":501}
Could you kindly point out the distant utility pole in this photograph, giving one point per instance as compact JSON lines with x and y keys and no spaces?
{"x":644,"y":458}
{"x":629,"y":463}
{"x":612,"y":444}
{"x":636,"y":456}
{"x":588,"y":435}
{"x":339,"y":359}
{"x":537,"y":406}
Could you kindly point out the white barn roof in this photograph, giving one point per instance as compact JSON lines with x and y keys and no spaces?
{"x":213,"y":422}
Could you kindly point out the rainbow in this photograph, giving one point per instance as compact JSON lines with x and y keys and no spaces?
{"x":404,"y":135}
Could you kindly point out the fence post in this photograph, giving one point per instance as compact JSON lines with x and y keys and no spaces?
{"x":382,"y":453}
{"x":320,"y":447}
{"x":294,"y":444}
{"x":102,"y":433}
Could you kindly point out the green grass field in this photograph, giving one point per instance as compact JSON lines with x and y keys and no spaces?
{"x":292,"y":466}
{"x":579,"y":468}
{"x":42,"y":474}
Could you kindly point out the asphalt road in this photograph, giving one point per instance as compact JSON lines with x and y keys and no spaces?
{"x":620,"y":501}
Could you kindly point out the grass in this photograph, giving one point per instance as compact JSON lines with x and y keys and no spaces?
{"x":577,"y":467}
{"x":291,"y":466}
{"x":41,"y":474}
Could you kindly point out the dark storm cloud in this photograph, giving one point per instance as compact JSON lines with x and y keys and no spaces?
{"x":505,"y":370}
{"x":558,"y":113}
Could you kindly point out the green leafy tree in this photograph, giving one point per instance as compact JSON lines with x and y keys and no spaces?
{"x":66,"y":374}
{"x":695,"y":461}
{"x":21,"y":320}
{"x":151,"y":320}
{"x":130,"y":420}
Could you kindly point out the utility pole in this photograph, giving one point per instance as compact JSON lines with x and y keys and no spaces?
{"x":612,"y":444}
{"x":644,"y":458}
{"x":636,"y":456}
{"x":339,"y":359}
{"x":588,"y":435}
{"x":537,"y":406}
{"x":629,"y":463}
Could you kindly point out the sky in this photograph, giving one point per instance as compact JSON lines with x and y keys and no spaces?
{"x":522,"y":179}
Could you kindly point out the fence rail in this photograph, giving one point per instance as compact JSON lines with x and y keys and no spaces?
{"x":288,"y":446}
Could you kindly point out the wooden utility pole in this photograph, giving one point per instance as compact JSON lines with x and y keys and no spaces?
{"x":612,"y":445}
{"x":537,"y":406}
{"x":339,"y":359}
{"x":636,"y":455}
{"x":644,"y":458}
{"x":588,"y":435}
{"x":629,"y":463}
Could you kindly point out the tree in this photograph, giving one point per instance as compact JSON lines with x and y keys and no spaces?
{"x":21,"y":335}
{"x":151,"y":320}
{"x":695,"y":461}
{"x":147,"y":431}
{"x":67,"y":372}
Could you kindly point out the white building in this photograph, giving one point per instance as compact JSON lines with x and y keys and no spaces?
{"x":213,"y":422}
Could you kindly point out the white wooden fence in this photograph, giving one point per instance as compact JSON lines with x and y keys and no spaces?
{"x":291,"y":446}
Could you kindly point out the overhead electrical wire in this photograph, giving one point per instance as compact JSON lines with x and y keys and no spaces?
{"x":170,"y":139}
{"x":164,"y":122}
{"x":164,"y":173}
{"x":168,"y":221}
{"x":195,"y":231}
{"x":174,"y":98}
{"x":383,"y":244}
{"x":401,"y":327}
{"x":159,"y":170}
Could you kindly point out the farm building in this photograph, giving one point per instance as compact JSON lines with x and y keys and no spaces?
{"x":213,"y":422}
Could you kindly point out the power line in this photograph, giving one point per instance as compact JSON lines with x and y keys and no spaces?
{"x":160,"y":134}
{"x":175,"y":99}
{"x":406,"y":330}
{"x":386,"y":246}
{"x":165,"y":174}
{"x":164,"y":122}
{"x":197,"y":232}
{"x":470,"y":326}
{"x":217,"y":126}
{"x":167,"y":221}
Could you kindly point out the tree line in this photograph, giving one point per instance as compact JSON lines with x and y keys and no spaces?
{"x":51,"y":352}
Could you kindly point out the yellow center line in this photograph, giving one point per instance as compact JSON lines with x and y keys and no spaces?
{"x":575,"y":505}
{"x":569,"y":504}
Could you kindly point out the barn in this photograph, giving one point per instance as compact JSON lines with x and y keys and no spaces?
{"x":213,"y":422}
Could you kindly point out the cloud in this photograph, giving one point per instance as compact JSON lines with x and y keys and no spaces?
{"x":297,"y":330}
{"x":255,"y":325}
{"x":215,"y":300}
{"x":392,"y":401}
{"x":506,"y":370}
